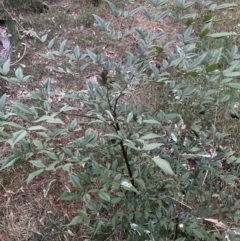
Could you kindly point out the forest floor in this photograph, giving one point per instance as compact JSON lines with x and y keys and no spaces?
{"x":32,"y":212}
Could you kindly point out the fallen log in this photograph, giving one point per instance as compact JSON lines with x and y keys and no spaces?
{"x":6,"y":51}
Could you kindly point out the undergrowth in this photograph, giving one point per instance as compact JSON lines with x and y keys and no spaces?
{"x":149,"y":146}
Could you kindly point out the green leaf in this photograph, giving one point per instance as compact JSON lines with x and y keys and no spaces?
{"x":113,"y":8}
{"x":204,"y":32}
{"x":51,"y":43}
{"x":129,"y":117}
{"x":192,"y":73}
{"x":19,"y":73}
{"x":35,"y":35}
{"x":164,"y":165}
{"x":130,"y":145}
{"x":134,"y":11}
{"x":47,"y":85}
{"x":150,"y":136}
{"x":110,"y":115}
{"x":199,"y":60}
{"x":157,"y":4}
{"x":50,"y":119}
{"x":159,"y":49}
{"x":2,"y":102}
{"x":104,"y":76}
{"x":67,"y":108}
{"x":147,"y":14}
{"x":140,"y":182}
{"x":221,"y":35}
{"x":118,"y":177}
{"x":216,"y":55}
{"x":76,"y":182}
{"x":50,"y":154}
{"x":13,"y":124}
{"x":101,"y":24}
{"x":17,"y":136}
{"x":47,"y":56}
{"x":62,"y":47}
{"x":233,"y":85}
{"x":67,"y":167}
{"x":90,"y":136}
{"x":44,"y":38}
{"x":196,"y":129}
{"x":187,"y":92}
{"x":105,"y":196}
{"x":208,"y":17}
{"x":198,"y":234}
{"x":97,"y":227}
{"x":211,"y":68}
{"x":231,"y":74}
{"x":6,"y":67}
{"x":114,"y":136}
{"x":86,"y":198}
{"x":116,"y":200}
{"x":84,"y":217}
{"x":52,"y":166}
{"x":176,"y":62}
{"x":38,"y":163}
{"x":92,"y":55}
{"x":23,"y":108}
{"x":190,"y":21}
{"x":225,"y":5}
{"x":10,"y":161}
{"x":151,"y":122}
{"x":140,"y":33}
{"x":84,"y":66}
{"x":76,"y":220}
{"x":224,"y":99}
{"x":163,"y":15}
{"x":77,"y":52}
{"x":151,"y":146}
{"x":32,"y":175}
{"x":188,"y":33}
{"x":36,"y":128}
{"x":38,"y":144}
{"x":69,"y":196}
{"x":234,"y":65}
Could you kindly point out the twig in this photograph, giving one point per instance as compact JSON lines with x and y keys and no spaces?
{"x":204,"y":179}
{"x":24,"y":52}
{"x":182,"y":203}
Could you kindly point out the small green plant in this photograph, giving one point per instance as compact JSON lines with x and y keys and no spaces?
{"x":145,"y":171}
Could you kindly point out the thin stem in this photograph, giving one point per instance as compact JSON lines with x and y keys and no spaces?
{"x":117,"y":128}
{"x":124,"y":151}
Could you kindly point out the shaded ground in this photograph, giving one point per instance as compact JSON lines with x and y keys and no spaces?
{"x":32,"y":212}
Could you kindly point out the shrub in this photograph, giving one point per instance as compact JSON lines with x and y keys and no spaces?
{"x":143,"y":149}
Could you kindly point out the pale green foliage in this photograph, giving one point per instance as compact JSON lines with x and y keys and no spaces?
{"x":131,"y":160}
